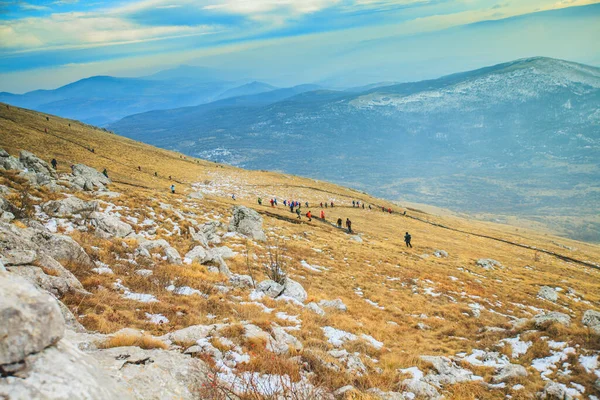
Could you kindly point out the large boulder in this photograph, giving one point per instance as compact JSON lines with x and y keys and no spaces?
{"x":9,"y":162}
{"x":110,"y":226}
{"x":508,"y":372}
{"x":337,"y":304}
{"x":37,"y":165}
{"x":207,"y":233}
{"x":31,"y":319}
{"x":69,"y":206}
{"x":247,"y":222}
{"x":448,"y":372}
{"x":282,"y":342}
{"x":62,"y":372}
{"x":552,"y":317}
{"x":270,"y":288}
{"x":548,"y":293}
{"x":197,"y":254}
{"x":154,"y":374}
{"x":557,"y":391}
{"x":294,"y":290}
{"x":87,"y":178}
{"x":591,"y":319}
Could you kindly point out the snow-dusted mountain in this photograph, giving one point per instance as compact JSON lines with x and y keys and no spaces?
{"x":516,"y":138}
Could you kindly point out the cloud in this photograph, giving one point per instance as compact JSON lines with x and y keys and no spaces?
{"x":32,"y":7}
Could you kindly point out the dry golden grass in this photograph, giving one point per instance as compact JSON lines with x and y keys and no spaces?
{"x":146,"y":342}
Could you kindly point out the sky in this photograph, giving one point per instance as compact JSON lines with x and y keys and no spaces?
{"x":340,"y":43}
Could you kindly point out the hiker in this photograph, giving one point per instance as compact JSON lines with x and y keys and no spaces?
{"x":309,"y":216}
{"x":353,"y":203}
{"x":407,"y":238}
{"x":332,"y":204}
{"x":275,"y":201}
{"x":45,"y":130}
{"x":339,"y":223}
{"x":53,"y":162}
{"x":298,"y":213}
{"x":363,"y":205}
{"x":259,"y":201}
{"x":173,"y":189}
{"x":383,"y":208}
{"x":349,"y":225}
{"x":325,"y":204}
{"x":390,"y":210}
{"x":306,"y":203}
{"x":233,"y":196}
{"x":285,"y":202}
{"x":369,"y":206}
{"x":321,"y":204}
{"x":404,"y":213}
{"x":322,"y":214}
{"x":139,"y":168}
{"x":272,"y":203}
{"x":170,"y":177}
{"x":155,"y":173}
{"x":291,"y":208}
{"x":105,"y":173}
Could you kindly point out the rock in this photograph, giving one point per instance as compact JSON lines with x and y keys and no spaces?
{"x":37,"y":165}
{"x":423,"y":327}
{"x":421,"y":389}
{"x":591,"y":319}
{"x":247,"y":222}
{"x":154,"y":244}
{"x":312,"y":306}
{"x":555,"y":391}
{"x":197,"y":254}
{"x":337,"y":304}
{"x":509,"y":372}
{"x":294,"y":290}
{"x":385,"y":395}
{"x":9,"y":162}
{"x":31,"y":320}
{"x":552,"y":317}
{"x":70,"y":320}
{"x":62,"y":372}
{"x":488,"y":264}
{"x":2,"y":268}
{"x":87,"y":178}
{"x":191,"y":333}
{"x":448,"y":373}
{"x":69,"y":206}
{"x":160,"y":374}
{"x":548,"y":293}
{"x":270,"y":288}
{"x":356,"y":238}
{"x":57,"y":285}
{"x":173,"y":256}
{"x":440,"y":253}
{"x":61,"y":248}
{"x":351,"y":361}
{"x":109,"y":226}
{"x":241,"y":281}
{"x":341,"y":392}
{"x":282,"y":342}
{"x":252,"y":331}
{"x":224,"y":252}
{"x":18,"y":257}
{"x":7,"y":216}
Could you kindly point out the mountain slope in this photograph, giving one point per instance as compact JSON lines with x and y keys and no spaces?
{"x":369,"y":311}
{"x":515,"y":139}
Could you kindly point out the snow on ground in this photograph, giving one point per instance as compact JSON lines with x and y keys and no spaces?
{"x":157,"y":318}
{"x":519,"y":347}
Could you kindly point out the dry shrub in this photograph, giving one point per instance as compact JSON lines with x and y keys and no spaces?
{"x":144,"y":341}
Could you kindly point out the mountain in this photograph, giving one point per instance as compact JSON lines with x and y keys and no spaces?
{"x":100,"y":100}
{"x":515,"y":139}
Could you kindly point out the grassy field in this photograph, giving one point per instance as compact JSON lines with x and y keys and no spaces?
{"x":389,"y":289}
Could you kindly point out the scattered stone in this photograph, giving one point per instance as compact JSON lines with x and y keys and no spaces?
{"x":87,"y":178}
{"x":312,"y":306}
{"x":440,"y":253}
{"x":356,"y":238}
{"x":294,"y":290}
{"x":69,"y":206}
{"x":109,"y":226}
{"x":247,"y":222}
{"x":37,"y":165}
{"x":488,"y":264}
{"x":341,"y":392}
{"x":552,"y":317}
{"x":337,"y":304}
{"x":448,"y":373}
{"x":548,"y":293}
{"x":509,"y":372}
{"x":556,"y":391}
{"x":591,"y":318}
{"x":173,"y":256}
{"x":270,"y":288}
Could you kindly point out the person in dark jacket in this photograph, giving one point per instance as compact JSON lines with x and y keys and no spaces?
{"x":54,"y":163}
{"x":339,"y":223}
{"x":349,"y":225}
{"x":407,"y":239}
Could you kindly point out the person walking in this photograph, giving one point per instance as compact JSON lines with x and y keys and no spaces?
{"x":291,"y":207}
{"x":298,"y":213}
{"x":363,"y":206}
{"x":332,"y":204}
{"x":407,"y":239}
{"x":306,"y":204}
{"x":325,"y":204}
{"x":321,"y":204}
{"x":54,"y":163}
{"x":322,"y":215}
{"x":173,"y":189}
{"x":275,"y":201}
{"x":353,"y":203}
{"x":309,"y":216}
{"x":105,"y":173}
{"x":233,"y":196}
{"x":339,"y":223}
{"x":285,"y":202}
{"x":259,"y":201}
{"x":272,"y":203}
{"x":349,"y":225}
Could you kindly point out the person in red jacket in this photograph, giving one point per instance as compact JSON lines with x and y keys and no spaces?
{"x":309,"y":215}
{"x":322,"y":214}
{"x":272,"y":203}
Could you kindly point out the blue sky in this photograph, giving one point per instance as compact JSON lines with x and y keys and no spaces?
{"x":45,"y":44}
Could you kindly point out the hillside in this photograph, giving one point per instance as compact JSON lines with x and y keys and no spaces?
{"x":527,"y":131}
{"x":167,"y":294}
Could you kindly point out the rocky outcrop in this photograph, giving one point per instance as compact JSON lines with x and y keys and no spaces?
{"x":294,"y":290}
{"x":247,"y":222}
{"x":509,"y":372}
{"x":31,"y":320}
{"x":552,"y":317}
{"x":548,"y":293}
{"x":207,"y":234}
{"x":336,"y":304}
{"x":87,"y":178}
{"x":555,"y":391}
{"x":9,"y":162}
{"x":591,"y":319}
{"x":68,"y":207}
{"x":447,"y":372}
{"x":270,"y":288}
{"x":37,"y":165}
{"x":109,"y":226}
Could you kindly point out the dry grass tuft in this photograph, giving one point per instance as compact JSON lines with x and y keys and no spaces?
{"x":144,"y":341}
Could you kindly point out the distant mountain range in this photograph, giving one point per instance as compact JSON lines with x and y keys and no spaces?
{"x":520,"y":138}
{"x":99,"y":100}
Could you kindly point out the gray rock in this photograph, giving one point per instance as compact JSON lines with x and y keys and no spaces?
{"x":270,"y":288}
{"x":18,"y":257}
{"x":61,"y":248}
{"x":224,"y":251}
{"x":440,"y":253}
{"x":31,"y":320}
{"x":247,"y":222}
{"x":197,"y":254}
{"x":312,"y":306}
{"x":488,"y":264}
{"x":196,"y":195}
{"x":70,"y":321}
{"x":9,"y":162}
{"x":385,"y":395}
{"x":282,"y":342}
{"x":294,"y":290}
{"x":241,"y":281}
{"x":448,"y":373}
{"x":58,"y":286}
{"x":109,"y":226}
{"x":341,"y":392}
{"x":337,"y":304}
{"x":2,"y":268}
{"x":591,"y":318}
{"x":509,"y":372}
{"x":356,"y":238}
{"x":37,"y":165}
{"x":554,"y":391}
{"x":69,"y":206}
{"x":7,"y":216}
{"x":164,"y":374}
{"x":191,"y":333}
{"x":421,"y":389}
{"x":62,"y":372}
{"x":150,"y":245}
{"x":552,"y":317}
{"x":173,"y":256}
{"x":87,"y":178}
{"x":548,"y":293}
